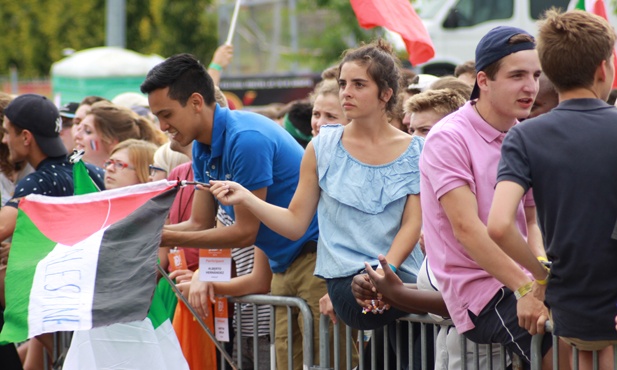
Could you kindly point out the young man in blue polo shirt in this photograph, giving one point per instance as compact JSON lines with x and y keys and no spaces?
{"x":252,"y":150}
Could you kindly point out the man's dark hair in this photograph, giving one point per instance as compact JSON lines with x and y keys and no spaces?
{"x":184,"y":75}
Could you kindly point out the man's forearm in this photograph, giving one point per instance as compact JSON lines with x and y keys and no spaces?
{"x":214,"y":238}
{"x":488,"y":255}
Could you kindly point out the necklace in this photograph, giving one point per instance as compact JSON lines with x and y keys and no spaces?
{"x":475,"y":107}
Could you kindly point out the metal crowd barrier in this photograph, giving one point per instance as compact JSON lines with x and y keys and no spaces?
{"x":427,"y":325}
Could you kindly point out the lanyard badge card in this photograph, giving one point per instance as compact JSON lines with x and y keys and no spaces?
{"x":221,"y":319}
{"x":215,"y":264}
{"x":177,"y":260}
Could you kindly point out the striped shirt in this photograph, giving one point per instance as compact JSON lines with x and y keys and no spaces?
{"x":244,"y":257}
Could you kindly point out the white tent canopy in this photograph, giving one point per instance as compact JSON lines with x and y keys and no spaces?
{"x":105,"y":62}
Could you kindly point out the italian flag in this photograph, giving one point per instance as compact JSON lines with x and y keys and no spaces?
{"x":596,"y":7}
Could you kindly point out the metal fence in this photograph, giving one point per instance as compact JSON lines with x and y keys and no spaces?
{"x":477,"y":357}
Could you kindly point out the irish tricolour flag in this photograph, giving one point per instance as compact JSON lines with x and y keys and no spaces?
{"x":84,"y":261}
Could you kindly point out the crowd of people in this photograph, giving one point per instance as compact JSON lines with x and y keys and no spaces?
{"x":485,"y":197}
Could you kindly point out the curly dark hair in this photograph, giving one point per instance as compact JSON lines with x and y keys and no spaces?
{"x":382,"y":66}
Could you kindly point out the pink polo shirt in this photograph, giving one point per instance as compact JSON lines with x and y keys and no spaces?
{"x":461,"y":149}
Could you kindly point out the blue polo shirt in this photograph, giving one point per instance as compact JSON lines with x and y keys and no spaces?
{"x":255,"y":152}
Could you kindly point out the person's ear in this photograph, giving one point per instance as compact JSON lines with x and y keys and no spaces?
{"x":602,"y":71}
{"x":386,"y":95}
{"x":196,"y":101}
{"x":482,"y":80}
{"x":27,"y":137}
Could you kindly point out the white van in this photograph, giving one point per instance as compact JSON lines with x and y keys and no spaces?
{"x":456,"y":26}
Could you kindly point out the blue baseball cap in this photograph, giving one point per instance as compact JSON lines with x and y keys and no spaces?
{"x":494,"y":46}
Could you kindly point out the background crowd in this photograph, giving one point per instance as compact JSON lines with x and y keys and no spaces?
{"x":382,"y":193}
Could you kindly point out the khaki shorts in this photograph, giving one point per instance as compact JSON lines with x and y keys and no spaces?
{"x":586,"y":345}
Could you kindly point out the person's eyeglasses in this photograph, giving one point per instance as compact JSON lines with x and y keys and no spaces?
{"x":118,"y":165}
{"x":153,"y":170}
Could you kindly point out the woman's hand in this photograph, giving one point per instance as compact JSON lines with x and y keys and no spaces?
{"x":325,"y":308}
{"x":181,"y":276}
{"x":229,"y":193}
{"x":201,"y":295}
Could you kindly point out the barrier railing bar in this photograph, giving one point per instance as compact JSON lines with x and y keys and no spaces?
{"x":348,"y":346}
{"x":307,"y":318}
{"x":361,"y":350}
{"x":398,"y":344}
{"x":324,"y":342}
{"x":386,"y":346}
{"x":218,"y":345}
{"x":290,"y":360}
{"x":255,"y":338}
{"x":463,"y":343}
{"x":373,"y":351}
{"x":238,"y":313}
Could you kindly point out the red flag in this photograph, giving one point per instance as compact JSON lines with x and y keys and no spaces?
{"x":400,"y":17}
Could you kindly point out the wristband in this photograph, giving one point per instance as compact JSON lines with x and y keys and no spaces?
{"x":543,"y":281}
{"x":523,"y":291}
{"x":545,"y":263}
{"x":391,"y":266}
{"x":215,"y":66}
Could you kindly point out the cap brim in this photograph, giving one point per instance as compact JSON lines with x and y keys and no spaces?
{"x":51,"y":146}
{"x":67,"y":115}
{"x":475,"y":93}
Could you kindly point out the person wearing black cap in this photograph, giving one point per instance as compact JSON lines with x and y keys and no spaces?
{"x":31,"y":128}
{"x":67,"y":113}
{"x":570,"y":157}
{"x":481,"y":284}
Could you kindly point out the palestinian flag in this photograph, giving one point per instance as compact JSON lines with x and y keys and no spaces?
{"x":84,"y":261}
{"x":596,"y":7}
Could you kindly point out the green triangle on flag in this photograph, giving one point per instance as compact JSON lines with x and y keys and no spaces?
{"x":82,"y":182}
{"x":20,"y":276}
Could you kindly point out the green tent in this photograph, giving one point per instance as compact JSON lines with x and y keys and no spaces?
{"x":102,"y":71}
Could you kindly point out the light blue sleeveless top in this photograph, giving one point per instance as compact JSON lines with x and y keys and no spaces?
{"x":361,"y":206}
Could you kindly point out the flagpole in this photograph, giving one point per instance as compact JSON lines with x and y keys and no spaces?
{"x":218,"y":344}
{"x":232,"y":27}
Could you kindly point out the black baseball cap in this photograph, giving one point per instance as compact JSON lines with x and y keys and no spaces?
{"x":68,"y":110}
{"x":494,"y":46}
{"x":40,"y":116}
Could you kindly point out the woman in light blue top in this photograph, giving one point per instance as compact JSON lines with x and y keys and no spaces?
{"x":363,"y":179}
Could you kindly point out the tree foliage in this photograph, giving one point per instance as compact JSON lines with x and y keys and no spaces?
{"x":35,"y":32}
{"x":340,"y":31}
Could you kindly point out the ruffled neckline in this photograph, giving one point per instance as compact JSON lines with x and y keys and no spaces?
{"x":368,"y":188}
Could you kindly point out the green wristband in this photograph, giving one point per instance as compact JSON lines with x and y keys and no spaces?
{"x":216,"y":66}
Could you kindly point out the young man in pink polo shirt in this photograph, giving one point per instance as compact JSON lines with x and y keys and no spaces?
{"x":458,"y":175}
